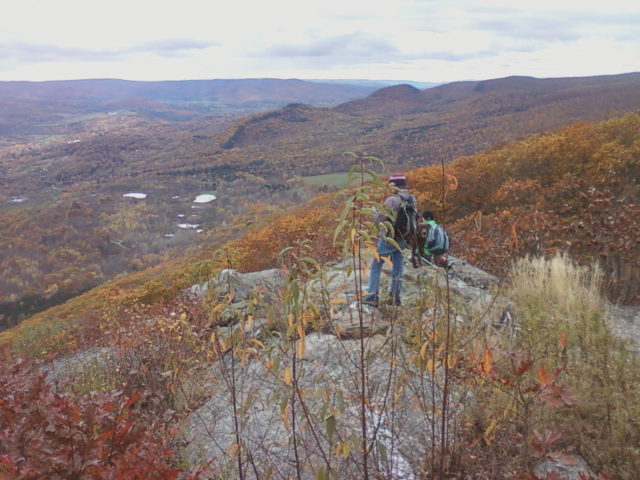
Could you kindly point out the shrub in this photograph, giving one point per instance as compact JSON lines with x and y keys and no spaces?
{"x":48,"y":434}
{"x":561,"y":382}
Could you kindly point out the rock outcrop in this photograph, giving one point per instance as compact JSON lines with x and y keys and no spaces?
{"x":277,"y":416}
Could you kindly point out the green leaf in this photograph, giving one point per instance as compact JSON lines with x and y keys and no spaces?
{"x":283,"y":405}
{"x":393,"y":242}
{"x":330,"y":424}
{"x":285,"y":250}
{"x":321,"y":474}
{"x":382,"y":451}
{"x":310,"y":261}
{"x":276,"y":364}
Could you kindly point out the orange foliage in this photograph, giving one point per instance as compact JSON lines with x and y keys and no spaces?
{"x":574,"y":190}
{"x":259,"y":248}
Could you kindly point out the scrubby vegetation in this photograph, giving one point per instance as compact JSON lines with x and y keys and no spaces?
{"x":555,"y":215}
{"x":560,"y":383}
{"x":575,"y":190}
{"x":550,"y":383}
{"x":73,"y":169}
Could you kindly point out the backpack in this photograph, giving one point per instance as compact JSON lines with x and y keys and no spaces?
{"x":405,"y":224}
{"x":438,"y":242}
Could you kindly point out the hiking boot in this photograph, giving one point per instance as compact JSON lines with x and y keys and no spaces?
{"x":371,"y":300}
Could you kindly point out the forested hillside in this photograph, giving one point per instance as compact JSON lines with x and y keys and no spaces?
{"x":410,"y":127}
{"x":520,"y":373}
{"x":574,"y":190}
{"x":66,"y":226}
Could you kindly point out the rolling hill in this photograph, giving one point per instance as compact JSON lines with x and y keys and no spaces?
{"x":66,"y":227}
{"x":572,"y":190}
{"x":37,"y":107}
{"x":410,"y":127}
{"x":155,"y":359}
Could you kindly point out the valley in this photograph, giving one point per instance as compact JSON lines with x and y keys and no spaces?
{"x":160,"y":255}
{"x":66,"y":225}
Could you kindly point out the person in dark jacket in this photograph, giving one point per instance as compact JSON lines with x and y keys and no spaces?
{"x":386,"y":249}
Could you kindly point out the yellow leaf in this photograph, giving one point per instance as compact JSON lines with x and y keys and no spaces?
{"x":217,"y":308}
{"x":336,"y":301}
{"x":300,"y":330}
{"x":452,"y":361}
{"x":487,"y":436}
{"x":337,"y":292}
{"x":234,"y":450}
{"x":492,"y":426}
{"x":431,"y":366}
{"x":346,"y":449}
{"x":300,"y":349}
{"x":374,"y":252}
{"x":287,"y":377}
{"x":285,"y":418}
{"x":453,"y":182}
{"x":423,"y":350}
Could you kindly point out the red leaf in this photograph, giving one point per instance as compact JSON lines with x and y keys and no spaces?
{"x":132,"y":400}
{"x":125,"y":428}
{"x":544,"y":376}
{"x":568,"y":397}
{"x":105,"y":435}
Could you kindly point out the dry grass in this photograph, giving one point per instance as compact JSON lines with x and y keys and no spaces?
{"x":568,"y":289}
{"x":560,"y":311}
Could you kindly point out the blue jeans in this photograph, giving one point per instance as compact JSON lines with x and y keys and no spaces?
{"x":385,"y":249}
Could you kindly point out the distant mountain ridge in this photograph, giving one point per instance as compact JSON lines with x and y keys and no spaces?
{"x":409,"y":127}
{"x":537,"y":90}
{"x":36,"y":107}
{"x":267,"y":90}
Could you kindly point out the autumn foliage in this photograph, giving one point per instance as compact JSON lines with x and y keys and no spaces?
{"x":574,"y":190}
{"x":259,"y":248}
{"x":46,"y":433}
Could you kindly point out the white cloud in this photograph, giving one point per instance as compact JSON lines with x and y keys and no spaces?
{"x":405,"y":39}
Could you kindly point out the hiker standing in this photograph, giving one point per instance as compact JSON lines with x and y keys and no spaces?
{"x":399,"y":202}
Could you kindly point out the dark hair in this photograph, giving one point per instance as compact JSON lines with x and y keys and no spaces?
{"x":428,"y":215}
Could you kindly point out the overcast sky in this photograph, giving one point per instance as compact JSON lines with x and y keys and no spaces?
{"x":419,"y":40}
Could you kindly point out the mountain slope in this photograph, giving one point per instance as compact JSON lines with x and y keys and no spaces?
{"x":66,"y":226}
{"x":573,"y":190}
{"x":262,"y":370}
{"x":232,"y":91}
{"x":408,"y":127}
